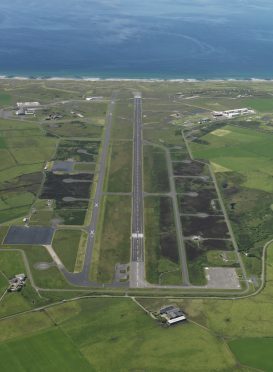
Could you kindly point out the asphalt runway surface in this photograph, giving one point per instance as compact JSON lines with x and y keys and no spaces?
{"x":29,"y":235}
{"x":137,"y":211}
{"x":82,"y":278}
{"x":137,"y":274}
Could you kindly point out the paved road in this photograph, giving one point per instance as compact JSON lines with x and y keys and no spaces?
{"x":178,"y":225}
{"x":82,"y":278}
{"x":137,"y":273}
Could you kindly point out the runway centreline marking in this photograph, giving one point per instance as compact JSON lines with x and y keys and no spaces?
{"x":137,"y":237}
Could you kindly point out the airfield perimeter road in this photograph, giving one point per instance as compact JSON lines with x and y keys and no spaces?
{"x":82,"y":278}
{"x":137,"y":272}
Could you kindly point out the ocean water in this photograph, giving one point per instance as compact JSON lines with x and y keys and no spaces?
{"x":137,"y":39}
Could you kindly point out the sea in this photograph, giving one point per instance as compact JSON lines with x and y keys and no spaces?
{"x":137,"y":39}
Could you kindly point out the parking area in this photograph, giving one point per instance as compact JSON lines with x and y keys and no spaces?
{"x":29,"y":235}
{"x":122,"y":272}
{"x":222,"y":278}
{"x":63,"y":166}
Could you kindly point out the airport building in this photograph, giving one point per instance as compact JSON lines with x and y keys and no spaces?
{"x":27,"y":104}
{"x":172,"y":314}
{"x":17,"y":283}
{"x":230,"y":114}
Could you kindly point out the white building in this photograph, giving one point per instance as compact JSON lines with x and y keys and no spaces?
{"x":27,"y":104}
{"x":95,"y":98}
{"x":230,"y":114}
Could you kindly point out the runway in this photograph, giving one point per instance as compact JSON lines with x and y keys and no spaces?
{"x":82,"y":278}
{"x":137,"y":274}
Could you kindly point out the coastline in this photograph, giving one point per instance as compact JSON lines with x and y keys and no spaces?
{"x":148,"y":80}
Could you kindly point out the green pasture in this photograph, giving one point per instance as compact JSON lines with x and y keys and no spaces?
{"x":25,"y":300}
{"x":23,"y":150}
{"x":7,"y":125}
{"x":51,"y":351}
{"x":242,"y":150}
{"x":156,"y":177}
{"x":158,"y":133}
{"x":133,"y":340}
{"x":27,"y":324}
{"x":74,"y":128}
{"x":254,"y":352}
{"x":262,"y":104}
{"x":171,"y":274}
{"x":11,"y":263}
{"x":3,"y":144}
{"x":70,"y":216}
{"x":8,"y":215}
{"x":5,"y":99}
{"x":3,"y":284}
{"x":246,"y":324}
{"x":85,"y":167}
{"x":120,"y":172}
{"x":66,"y":244}
{"x":6,"y":159}
{"x":221,"y":258}
{"x":50,"y":278}
{"x":12,"y":200}
{"x":42,"y":217}
{"x":3,"y":232}
{"x":123,"y":120}
{"x":114,"y":241}
{"x":232,"y":319}
{"x":107,"y":335}
{"x":19,"y":170}
{"x":27,"y":150}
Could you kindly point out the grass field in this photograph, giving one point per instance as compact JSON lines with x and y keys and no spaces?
{"x":161,"y":251}
{"x":254,"y":352}
{"x":158,"y":134}
{"x":66,"y":244}
{"x":120,"y":172}
{"x":42,"y":217}
{"x":5,"y":99}
{"x":263,"y":104}
{"x":123,"y":120}
{"x":51,"y":350}
{"x":50,"y":278}
{"x":75,"y":128}
{"x":11,"y":263}
{"x":3,"y":232}
{"x":240,"y":150}
{"x":115,"y":236}
{"x":85,"y":330}
{"x":156,"y":178}
{"x":85,"y":167}
{"x":231,"y":319}
{"x":245,"y":324}
{"x":24,"y":149}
